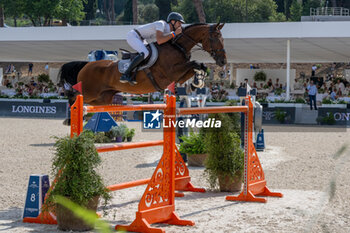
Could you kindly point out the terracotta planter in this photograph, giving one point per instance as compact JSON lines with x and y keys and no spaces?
{"x":228,"y":183}
{"x":67,"y":221}
{"x":196,"y":160}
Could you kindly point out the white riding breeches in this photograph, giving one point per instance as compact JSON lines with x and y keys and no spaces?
{"x":136,"y":43}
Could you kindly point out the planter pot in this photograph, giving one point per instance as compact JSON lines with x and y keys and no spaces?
{"x":119,"y":139}
{"x":196,"y":160}
{"x":334,"y":105}
{"x":67,"y":221}
{"x":228,"y":183}
{"x":129,"y":139}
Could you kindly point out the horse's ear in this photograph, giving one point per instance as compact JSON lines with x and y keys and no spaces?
{"x":219,"y":26}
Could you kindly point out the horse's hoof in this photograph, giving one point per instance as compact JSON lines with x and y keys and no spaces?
{"x":66,"y":122}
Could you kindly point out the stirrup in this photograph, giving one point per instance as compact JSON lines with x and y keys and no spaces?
{"x":125,"y":79}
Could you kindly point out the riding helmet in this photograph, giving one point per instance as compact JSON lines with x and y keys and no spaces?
{"x":175,"y":16}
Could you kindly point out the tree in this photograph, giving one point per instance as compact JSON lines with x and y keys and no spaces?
{"x":295,"y":11}
{"x":187,"y":9}
{"x":90,"y":8}
{"x":134,"y":11}
{"x":164,"y":7}
{"x":148,"y":13}
{"x":200,"y":11}
{"x":2,"y":18}
{"x":70,"y":10}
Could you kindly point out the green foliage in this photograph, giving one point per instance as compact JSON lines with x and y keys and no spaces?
{"x":100,"y":137}
{"x":43,"y":78}
{"x":235,"y":10}
{"x":130,"y":133}
{"x":327,"y":101}
{"x":295,"y":11}
{"x":260,"y":76}
{"x":119,"y":131}
{"x":164,"y":7}
{"x":88,"y":216}
{"x":70,"y":10}
{"x":225,"y":156}
{"x":329,"y":119}
{"x":192,"y":144}
{"x":74,"y":166}
{"x":280,"y":115}
{"x":188,"y":10}
{"x":300,"y":101}
{"x":278,"y":91}
{"x":235,"y":117}
{"x":148,"y":13}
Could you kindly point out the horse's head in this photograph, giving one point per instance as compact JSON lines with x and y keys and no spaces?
{"x":213,"y":43}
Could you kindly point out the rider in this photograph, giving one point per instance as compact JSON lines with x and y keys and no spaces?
{"x":160,"y":30}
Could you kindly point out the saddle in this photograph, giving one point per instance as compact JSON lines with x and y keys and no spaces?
{"x":128,"y":56}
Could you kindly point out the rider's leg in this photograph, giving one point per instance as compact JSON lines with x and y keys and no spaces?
{"x":136,"y":43}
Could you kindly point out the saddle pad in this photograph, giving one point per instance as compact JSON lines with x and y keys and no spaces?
{"x":124,"y":64}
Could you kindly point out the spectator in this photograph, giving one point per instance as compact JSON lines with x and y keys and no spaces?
{"x":269,"y":83}
{"x":334,"y":95}
{"x":347,"y":90}
{"x":47,"y":68}
{"x":312,"y":91}
{"x":32,"y":82}
{"x":277,"y":84}
{"x":313,"y":70}
{"x":296,"y":85}
{"x":30,"y":68}
{"x":5,"y":81}
{"x":13,"y":81}
{"x":340,"y":85}
{"x":254,"y":85}
{"x":261,"y":86}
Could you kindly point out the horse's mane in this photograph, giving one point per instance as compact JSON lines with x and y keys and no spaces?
{"x":194,"y":25}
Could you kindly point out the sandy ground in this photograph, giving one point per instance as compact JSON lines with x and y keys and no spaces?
{"x":299,"y":161}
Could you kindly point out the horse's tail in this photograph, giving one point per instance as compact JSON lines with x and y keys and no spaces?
{"x":68,"y":73}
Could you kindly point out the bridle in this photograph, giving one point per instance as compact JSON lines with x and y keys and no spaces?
{"x":213,"y":52}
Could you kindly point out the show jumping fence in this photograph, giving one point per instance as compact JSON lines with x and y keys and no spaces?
{"x":157,"y":204}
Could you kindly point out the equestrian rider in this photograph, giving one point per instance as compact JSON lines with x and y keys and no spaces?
{"x":160,"y":30}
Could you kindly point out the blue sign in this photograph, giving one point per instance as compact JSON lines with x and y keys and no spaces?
{"x":37,"y":188}
{"x":260,"y":141}
{"x":152,"y":120}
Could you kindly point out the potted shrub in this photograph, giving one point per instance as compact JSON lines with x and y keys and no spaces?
{"x":119,"y":132}
{"x":225,"y":162}
{"x":193,"y":145}
{"x":74,"y":166}
{"x":130,"y":134}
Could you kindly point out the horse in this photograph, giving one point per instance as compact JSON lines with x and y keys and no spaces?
{"x":100,"y":79}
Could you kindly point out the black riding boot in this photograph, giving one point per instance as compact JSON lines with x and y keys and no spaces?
{"x":126,"y":76}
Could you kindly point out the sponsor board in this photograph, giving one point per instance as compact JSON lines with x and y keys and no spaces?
{"x":31,"y":108}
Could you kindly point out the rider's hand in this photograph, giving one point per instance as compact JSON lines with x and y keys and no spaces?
{"x":178,"y":31}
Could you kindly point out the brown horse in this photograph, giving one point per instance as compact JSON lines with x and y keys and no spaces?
{"x":100,"y":79}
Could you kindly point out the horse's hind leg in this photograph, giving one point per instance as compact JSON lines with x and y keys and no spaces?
{"x":105,"y":98}
{"x":72,"y":95}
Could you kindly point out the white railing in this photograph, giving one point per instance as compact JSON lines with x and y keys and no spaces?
{"x":329,"y":11}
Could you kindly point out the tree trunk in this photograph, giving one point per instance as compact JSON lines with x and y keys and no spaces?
{"x":2,"y":23}
{"x":112,"y":14}
{"x":64,"y":22}
{"x":15,"y":21}
{"x":134,"y":11}
{"x":199,"y":9}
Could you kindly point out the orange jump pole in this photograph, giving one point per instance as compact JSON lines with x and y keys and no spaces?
{"x":157,"y":204}
{"x":254,"y":178}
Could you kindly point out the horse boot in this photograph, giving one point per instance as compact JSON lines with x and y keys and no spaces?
{"x":126,"y":76}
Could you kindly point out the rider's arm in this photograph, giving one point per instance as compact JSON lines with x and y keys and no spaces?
{"x":162,"y":38}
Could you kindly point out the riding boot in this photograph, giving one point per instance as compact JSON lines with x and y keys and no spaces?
{"x":126,"y":76}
